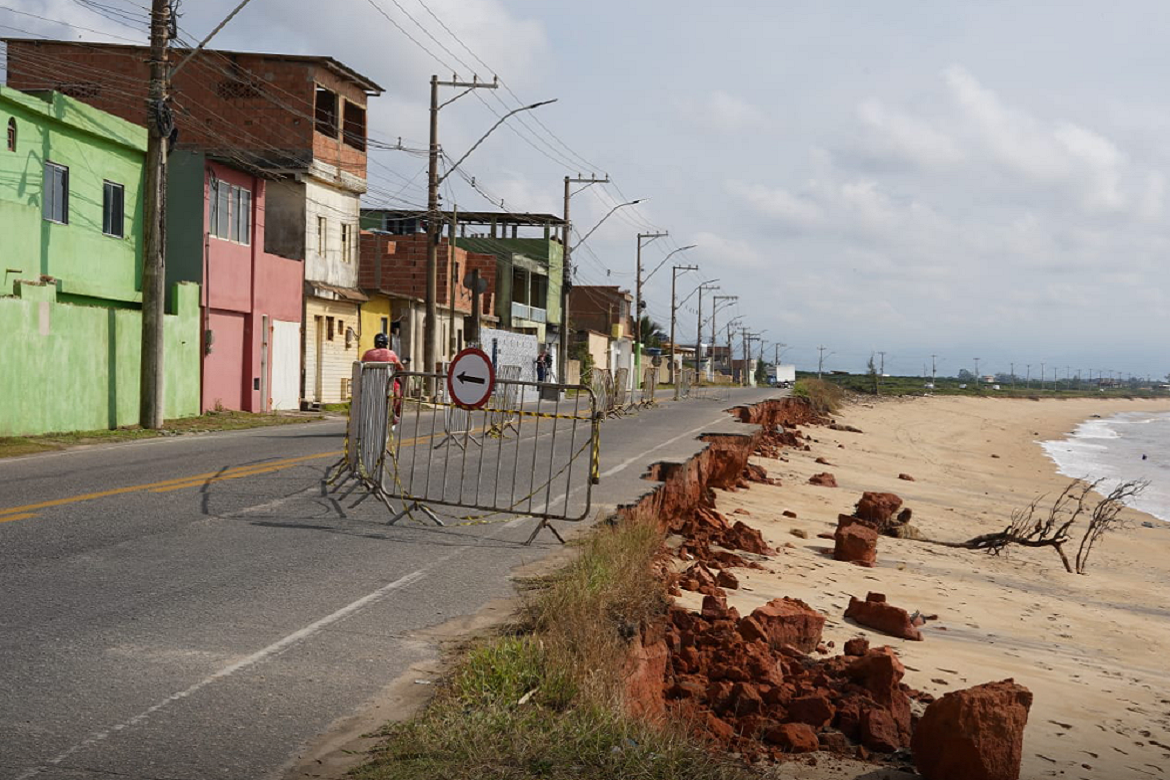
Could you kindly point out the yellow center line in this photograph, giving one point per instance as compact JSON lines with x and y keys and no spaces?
{"x":24,"y":516}
{"x":192,"y":479}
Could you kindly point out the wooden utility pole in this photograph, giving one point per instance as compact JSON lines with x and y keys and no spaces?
{"x":567,"y":270}
{"x":160,"y":124}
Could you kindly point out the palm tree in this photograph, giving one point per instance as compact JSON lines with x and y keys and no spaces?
{"x":650,"y":333}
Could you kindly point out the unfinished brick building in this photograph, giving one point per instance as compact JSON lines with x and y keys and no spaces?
{"x":396,"y":267}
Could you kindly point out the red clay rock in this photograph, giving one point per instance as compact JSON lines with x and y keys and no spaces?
{"x":741,"y":511}
{"x":823,"y":462}
{"x":879,"y":733}
{"x":906,"y":477}
{"x":974,"y":734}
{"x":793,"y":738}
{"x":788,"y":621}
{"x":880,"y":672}
{"x":875,"y":613}
{"x":788,"y":513}
{"x":815,"y":710}
{"x":726,"y":579}
{"x":856,"y":646}
{"x":645,"y":672}
{"x":743,"y":537}
{"x":857,"y":544}
{"x":824,"y":479}
{"x":877,"y":508}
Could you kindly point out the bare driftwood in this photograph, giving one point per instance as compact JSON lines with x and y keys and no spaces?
{"x":1053,"y":526}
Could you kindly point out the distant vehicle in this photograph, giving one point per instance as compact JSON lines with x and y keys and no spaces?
{"x":963,"y":386}
{"x":782,"y":376}
{"x":929,"y":385}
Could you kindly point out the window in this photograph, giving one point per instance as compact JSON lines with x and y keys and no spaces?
{"x":385,"y":325}
{"x":355,"y":126}
{"x":326,"y":112}
{"x":113,"y":209}
{"x":231,"y":212}
{"x":322,"y":227}
{"x":223,"y":202}
{"x":12,"y":135}
{"x":56,"y":197}
{"x":346,"y":240}
{"x":329,"y":328}
{"x":241,"y":215}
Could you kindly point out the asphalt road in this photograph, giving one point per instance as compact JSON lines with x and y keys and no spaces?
{"x":201,"y":607}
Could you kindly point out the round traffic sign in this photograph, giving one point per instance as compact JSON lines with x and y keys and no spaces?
{"x":471,"y":378}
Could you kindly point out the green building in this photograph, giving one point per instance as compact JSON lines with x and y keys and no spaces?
{"x":71,"y":181}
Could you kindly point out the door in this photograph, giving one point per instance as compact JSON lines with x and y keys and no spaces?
{"x":285,"y":354}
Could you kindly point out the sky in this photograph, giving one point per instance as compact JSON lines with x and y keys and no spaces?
{"x":979,"y":179}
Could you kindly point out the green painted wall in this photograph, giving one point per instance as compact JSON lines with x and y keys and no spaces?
{"x":75,"y":368}
{"x":546,"y":252}
{"x":69,"y":308}
{"x":96,"y":147}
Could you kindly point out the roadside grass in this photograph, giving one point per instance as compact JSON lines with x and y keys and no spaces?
{"x":544,"y":698}
{"x":11,"y":446}
{"x":824,"y":397}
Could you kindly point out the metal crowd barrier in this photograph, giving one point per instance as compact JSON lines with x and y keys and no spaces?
{"x":686,"y":380}
{"x":601,"y":382}
{"x":371,"y":424}
{"x":457,"y":424}
{"x":621,"y":390}
{"x":649,"y":385}
{"x":546,"y":470}
{"x":505,"y":398}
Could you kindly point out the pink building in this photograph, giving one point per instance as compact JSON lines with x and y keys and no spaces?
{"x":252,"y":299}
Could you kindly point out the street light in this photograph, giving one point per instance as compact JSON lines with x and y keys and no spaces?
{"x":603,"y":219}
{"x":673,"y":310}
{"x":699,"y":324}
{"x":668,"y":256}
{"x":434,"y":180}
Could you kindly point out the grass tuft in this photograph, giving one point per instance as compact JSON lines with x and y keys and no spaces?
{"x":544,"y":700}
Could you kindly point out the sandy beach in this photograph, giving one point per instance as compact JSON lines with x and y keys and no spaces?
{"x":1091,"y":648}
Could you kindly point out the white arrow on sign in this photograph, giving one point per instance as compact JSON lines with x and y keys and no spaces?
{"x":471,"y":378}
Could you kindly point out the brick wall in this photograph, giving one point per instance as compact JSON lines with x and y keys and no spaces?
{"x":398,"y":265}
{"x":260,"y":107}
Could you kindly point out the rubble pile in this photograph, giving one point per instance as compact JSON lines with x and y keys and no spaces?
{"x":750,"y":685}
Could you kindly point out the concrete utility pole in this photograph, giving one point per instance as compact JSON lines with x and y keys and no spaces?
{"x":976,"y":373}
{"x":820,"y":361}
{"x":699,"y":325}
{"x":674,"y":269}
{"x":1041,"y":376}
{"x":160,"y":123}
{"x":638,"y":308}
{"x":567,"y":269}
{"x":1013,"y":365}
{"x":434,"y":218}
{"x":933,"y":371}
{"x":715,"y":310}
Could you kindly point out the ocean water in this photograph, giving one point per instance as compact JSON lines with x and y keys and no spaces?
{"x":1111,"y":448}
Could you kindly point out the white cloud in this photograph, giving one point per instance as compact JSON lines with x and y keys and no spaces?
{"x":904,"y":136}
{"x":721,"y":112}
{"x":778,"y":203}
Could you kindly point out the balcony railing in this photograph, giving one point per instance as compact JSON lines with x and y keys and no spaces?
{"x":525,"y":312}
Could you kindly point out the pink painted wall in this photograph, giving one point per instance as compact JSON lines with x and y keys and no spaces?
{"x":248,"y":281}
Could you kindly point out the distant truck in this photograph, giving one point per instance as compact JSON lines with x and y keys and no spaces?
{"x":783,"y":376}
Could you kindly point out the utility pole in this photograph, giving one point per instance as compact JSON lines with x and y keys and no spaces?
{"x":567,"y":271}
{"x":715,"y":310}
{"x":820,"y":361}
{"x":434,"y":222}
{"x":1028,"y":381}
{"x":976,"y":373}
{"x":699,"y":325}
{"x":638,"y":308}
{"x":1041,"y":376}
{"x":933,"y":372}
{"x":674,"y":269}
{"x":1013,"y":365}
{"x":160,"y":123}
{"x":744,"y":375}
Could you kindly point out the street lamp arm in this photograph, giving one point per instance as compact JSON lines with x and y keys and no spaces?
{"x":646,"y":278}
{"x":608,"y":214}
{"x":704,"y":286}
{"x":491,"y":130}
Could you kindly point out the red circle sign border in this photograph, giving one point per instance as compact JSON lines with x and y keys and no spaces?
{"x":491,"y":385}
